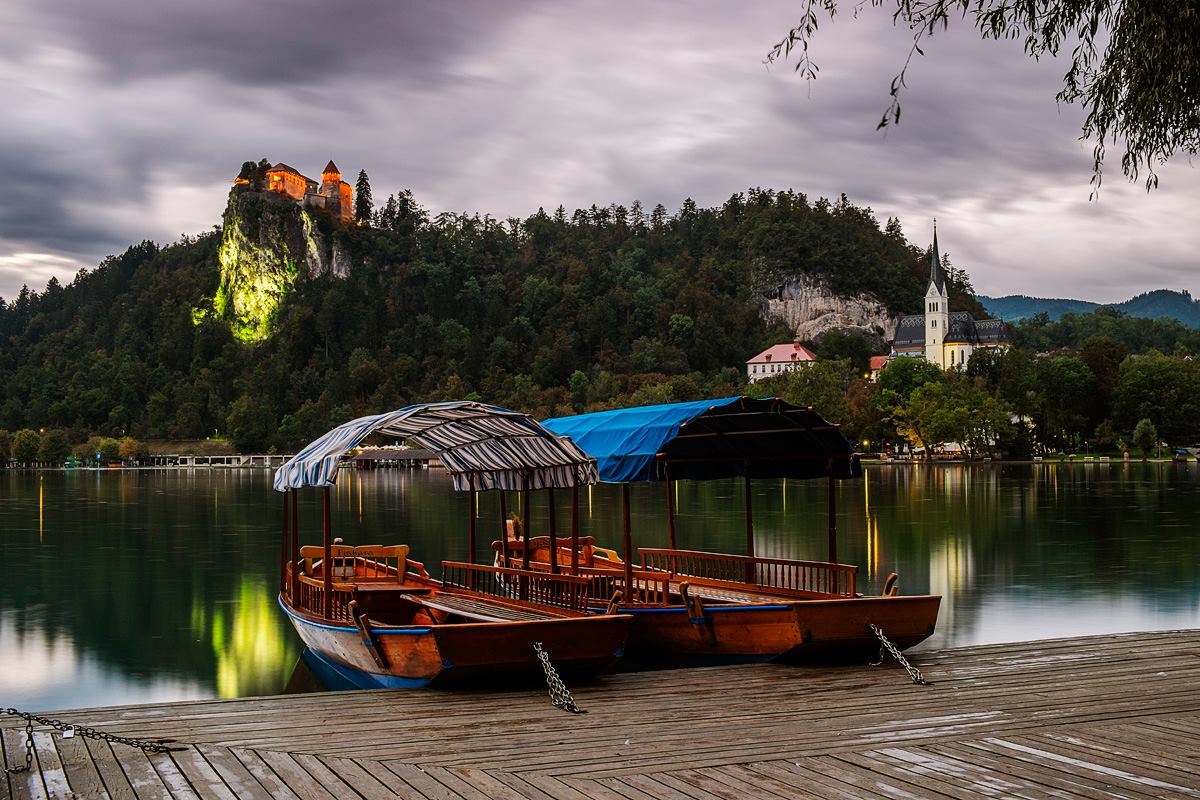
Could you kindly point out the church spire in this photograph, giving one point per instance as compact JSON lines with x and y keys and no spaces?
{"x":936,"y":276}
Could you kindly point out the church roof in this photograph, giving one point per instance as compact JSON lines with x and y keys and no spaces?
{"x":936,"y":276}
{"x":331,"y":168}
{"x":964,"y":329}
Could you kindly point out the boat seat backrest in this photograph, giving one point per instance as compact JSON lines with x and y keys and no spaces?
{"x":345,"y":558}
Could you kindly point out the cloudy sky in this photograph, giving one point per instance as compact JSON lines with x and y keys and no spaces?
{"x":126,"y":120}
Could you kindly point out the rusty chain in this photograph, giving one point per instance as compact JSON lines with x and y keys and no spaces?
{"x":68,"y":730}
{"x":560,"y":695}
{"x":886,"y":646}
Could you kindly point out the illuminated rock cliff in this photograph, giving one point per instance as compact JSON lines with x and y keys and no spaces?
{"x":267,"y":242}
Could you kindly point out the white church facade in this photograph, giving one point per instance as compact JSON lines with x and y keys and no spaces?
{"x":941,"y":337}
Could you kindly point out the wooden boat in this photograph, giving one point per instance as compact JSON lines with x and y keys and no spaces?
{"x":691,"y":606}
{"x":376,"y":618}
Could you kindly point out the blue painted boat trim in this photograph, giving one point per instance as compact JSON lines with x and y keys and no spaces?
{"x":348,"y":677}
{"x":376,"y":631}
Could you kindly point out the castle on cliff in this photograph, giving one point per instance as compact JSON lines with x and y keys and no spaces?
{"x":332,"y":194}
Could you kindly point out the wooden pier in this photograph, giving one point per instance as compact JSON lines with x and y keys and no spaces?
{"x":1097,"y":717}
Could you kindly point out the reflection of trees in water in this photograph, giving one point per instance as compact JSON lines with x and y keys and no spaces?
{"x":163,"y":573}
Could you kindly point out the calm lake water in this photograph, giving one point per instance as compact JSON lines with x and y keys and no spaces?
{"x":141,"y":586}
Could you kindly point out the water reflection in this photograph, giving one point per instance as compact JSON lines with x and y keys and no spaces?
{"x":130,"y":586}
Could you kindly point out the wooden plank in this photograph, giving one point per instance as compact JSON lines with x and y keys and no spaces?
{"x":142,"y":775}
{"x":364,"y":781}
{"x":233,"y":773}
{"x":423,"y":783}
{"x":27,"y":784}
{"x":1055,"y":784}
{"x":81,"y":772}
{"x":804,"y":780}
{"x":113,"y":777}
{"x":294,"y":776}
{"x":200,"y":775}
{"x":176,"y":782}
{"x":263,"y":773}
{"x":322,"y":774}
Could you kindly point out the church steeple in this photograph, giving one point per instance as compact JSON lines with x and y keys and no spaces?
{"x":936,"y":276}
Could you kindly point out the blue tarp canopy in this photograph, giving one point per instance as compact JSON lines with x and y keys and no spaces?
{"x":707,"y":439}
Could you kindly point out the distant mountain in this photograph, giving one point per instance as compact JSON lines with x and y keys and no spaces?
{"x":1159,"y":303}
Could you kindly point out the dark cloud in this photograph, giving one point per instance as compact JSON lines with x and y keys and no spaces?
{"x":126,"y":120}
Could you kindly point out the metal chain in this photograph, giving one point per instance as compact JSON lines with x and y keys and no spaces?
{"x":560,"y":695}
{"x":885,"y":647}
{"x":68,"y":730}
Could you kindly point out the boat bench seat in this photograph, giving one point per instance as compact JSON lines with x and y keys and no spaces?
{"x":479,"y":610}
{"x":732,"y":595}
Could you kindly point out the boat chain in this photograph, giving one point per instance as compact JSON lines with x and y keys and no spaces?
{"x":69,"y":730}
{"x":560,"y":695}
{"x":886,"y":646}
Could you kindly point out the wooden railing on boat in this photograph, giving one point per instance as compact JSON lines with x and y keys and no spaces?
{"x":649,"y":588}
{"x":310,"y":597}
{"x":804,"y":577}
{"x":543,"y":588}
{"x":364,"y":562}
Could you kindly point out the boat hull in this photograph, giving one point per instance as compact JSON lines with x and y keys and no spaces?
{"x":806,"y":630}
{"x":419,"y":655}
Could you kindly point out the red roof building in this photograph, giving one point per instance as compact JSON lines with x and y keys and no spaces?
{"x":778,"y":359}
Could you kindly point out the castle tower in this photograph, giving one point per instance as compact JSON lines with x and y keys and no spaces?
{"x":937,"y":308}
{"x":339,"y":196}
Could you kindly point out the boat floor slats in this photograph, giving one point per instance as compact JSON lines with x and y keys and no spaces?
{"x":481,"y":610}
{"x":1115,"y":716}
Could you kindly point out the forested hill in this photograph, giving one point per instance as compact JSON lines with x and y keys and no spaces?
{"x":601,"y":307}
{"x":1150,"y":305}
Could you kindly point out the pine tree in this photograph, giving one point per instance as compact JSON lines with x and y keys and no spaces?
{"x":363,"y":202}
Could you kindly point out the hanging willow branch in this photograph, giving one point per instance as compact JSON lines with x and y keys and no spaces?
{"x":1135,"y":64}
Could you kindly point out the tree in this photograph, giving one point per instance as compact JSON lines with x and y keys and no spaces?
{"x":110,"y":451}
{"x":54,"y":447}
{"x":1145,"y":436}
{"x":5,"y":448}
{"x":838,"y":344}
{"x":1163,"y":389}
{"x":363,"y":202}
{"x":131,"y":449}
{"x":251,"y":424}
{"x":25,"y":446}
{"x":1134,"y":66}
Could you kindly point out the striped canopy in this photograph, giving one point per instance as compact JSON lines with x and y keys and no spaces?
{"x":481,"y":446}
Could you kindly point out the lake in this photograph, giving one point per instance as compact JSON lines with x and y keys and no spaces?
{"x":130,"y":586}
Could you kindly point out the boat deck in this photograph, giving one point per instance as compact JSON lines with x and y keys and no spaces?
{"x":1094,"y":717}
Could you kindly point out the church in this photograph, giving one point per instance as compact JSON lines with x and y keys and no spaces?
{"x":944,"y":338}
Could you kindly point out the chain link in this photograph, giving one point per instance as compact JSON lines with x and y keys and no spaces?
{"x":68,"y":730}
{"x":886,"y":646}
{"x":560,"y":695}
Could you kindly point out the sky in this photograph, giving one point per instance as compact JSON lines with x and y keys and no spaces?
{"x":128,"y":119}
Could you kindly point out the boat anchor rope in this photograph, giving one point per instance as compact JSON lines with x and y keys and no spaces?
{"x":68,"y":730}
{"x":886,"y":646}
{"x":560,"y":695}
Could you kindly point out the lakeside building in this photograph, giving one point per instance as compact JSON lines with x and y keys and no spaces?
{"x":332,"y":193}
{"x":778,"y":359}
{"x":941,"y":337}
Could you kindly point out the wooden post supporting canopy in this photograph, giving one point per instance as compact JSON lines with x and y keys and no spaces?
{"x":471,"y":513}
{"x":327,"y":561}
{"x":283,"y":548}
{"x":295,"y":592}
{"x":526,"y":524}
{"x":750,"y":571}
{"x":832,"y":517}
{"x":503,"y":530}
{"x":575,"y":527}
{"x":670,"y":508}
{"x":553,"y":531}
{"x":629,"y":593}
